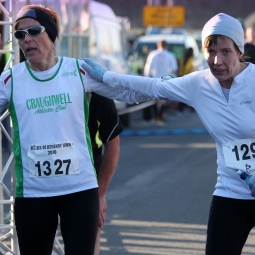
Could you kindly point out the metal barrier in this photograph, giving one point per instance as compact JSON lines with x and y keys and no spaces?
{"x":8,"y":237}
{"x":137,"y":107}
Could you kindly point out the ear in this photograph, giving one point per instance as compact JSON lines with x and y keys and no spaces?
{"x":240,"y":55}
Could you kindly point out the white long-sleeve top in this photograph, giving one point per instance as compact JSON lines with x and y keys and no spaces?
{"x":225,"y":120}
{"x":159,"y":63}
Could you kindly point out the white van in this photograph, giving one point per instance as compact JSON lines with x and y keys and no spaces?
{"x":91,"y":29}
{"x":177,"y":43}
{"x":95,"y":33}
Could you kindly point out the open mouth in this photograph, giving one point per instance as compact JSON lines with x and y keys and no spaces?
{"x":30,"y":50}
{"x":218,"y":71}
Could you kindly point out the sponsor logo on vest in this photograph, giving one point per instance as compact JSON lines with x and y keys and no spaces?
{"x":69,"y":73}
{"x":49,"y":103}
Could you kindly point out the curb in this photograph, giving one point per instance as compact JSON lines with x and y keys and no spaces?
{"x":163,"y":132}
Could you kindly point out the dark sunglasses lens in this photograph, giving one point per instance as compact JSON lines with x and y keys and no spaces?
{"x":19,"y":35}
{"x":34,"y":31}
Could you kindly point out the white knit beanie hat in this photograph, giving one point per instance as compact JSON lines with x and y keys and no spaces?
{"x":223,"y":24}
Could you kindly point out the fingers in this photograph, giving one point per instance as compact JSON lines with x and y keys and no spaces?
{"x":89,"y":61}
{"x":252,"y":185}
{"x":253,"y":192}
{"x":102,"y":211}
{"x":251,"y":181}
{"x":102,"y":218}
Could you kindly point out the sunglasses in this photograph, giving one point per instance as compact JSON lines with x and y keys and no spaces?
{"x":32,"y":31}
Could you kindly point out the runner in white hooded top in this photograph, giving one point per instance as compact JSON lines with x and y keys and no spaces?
{"x":224,"y":98}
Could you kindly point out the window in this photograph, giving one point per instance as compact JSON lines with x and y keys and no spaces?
{"x":116,"y":43}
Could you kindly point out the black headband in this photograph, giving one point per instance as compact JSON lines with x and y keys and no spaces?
{"x":43,"y":18}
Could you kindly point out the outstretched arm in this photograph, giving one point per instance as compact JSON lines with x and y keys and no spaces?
{"x":137,"y":88}
{"x":93,"y":82}
{"x":115,"y":82}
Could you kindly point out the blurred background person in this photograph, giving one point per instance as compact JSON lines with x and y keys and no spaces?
{"x":249,"y":46}
{"x":186,"y":66}
{"x":160,"y":62}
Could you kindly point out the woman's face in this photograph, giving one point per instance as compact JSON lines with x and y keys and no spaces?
{"x":38,"y":49}
{"x":223,"y":60}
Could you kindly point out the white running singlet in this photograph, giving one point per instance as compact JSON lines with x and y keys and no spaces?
{"x":52,"y":145}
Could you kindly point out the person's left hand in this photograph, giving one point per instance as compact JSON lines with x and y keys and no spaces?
{"x":102,"y":211}
{"x":94,"y":69}
{"x":251,"y":184}
{"x":249,"y":180}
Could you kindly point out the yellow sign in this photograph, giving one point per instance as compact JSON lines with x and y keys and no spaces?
{"x":163,"y":16}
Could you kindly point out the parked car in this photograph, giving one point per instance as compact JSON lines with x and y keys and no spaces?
{"x":177,"y":43}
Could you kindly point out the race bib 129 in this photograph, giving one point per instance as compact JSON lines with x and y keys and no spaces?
{"x":240,"y":154}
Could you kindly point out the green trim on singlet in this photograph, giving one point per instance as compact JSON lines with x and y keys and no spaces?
{"x":86,"y":112}
{"x":52,"y":77}
{"x":16,"y":146}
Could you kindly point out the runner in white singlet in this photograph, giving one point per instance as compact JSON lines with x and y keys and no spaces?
{"x":51,"y":144}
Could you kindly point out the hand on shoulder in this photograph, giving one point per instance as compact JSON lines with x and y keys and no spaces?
{"x":94,"y":69}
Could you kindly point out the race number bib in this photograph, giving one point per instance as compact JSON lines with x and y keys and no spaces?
{"x":51,"y":160}
{"x":240,"y":154}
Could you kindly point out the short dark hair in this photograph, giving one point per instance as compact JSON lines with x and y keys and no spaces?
{"x":162,"y":43}
{"x":212,"y":39}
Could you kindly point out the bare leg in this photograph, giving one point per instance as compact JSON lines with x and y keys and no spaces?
{"x":97,"y":245}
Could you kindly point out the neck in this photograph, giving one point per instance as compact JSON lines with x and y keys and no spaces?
{"x":228,"y":83}
{"x":44,"y":65}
